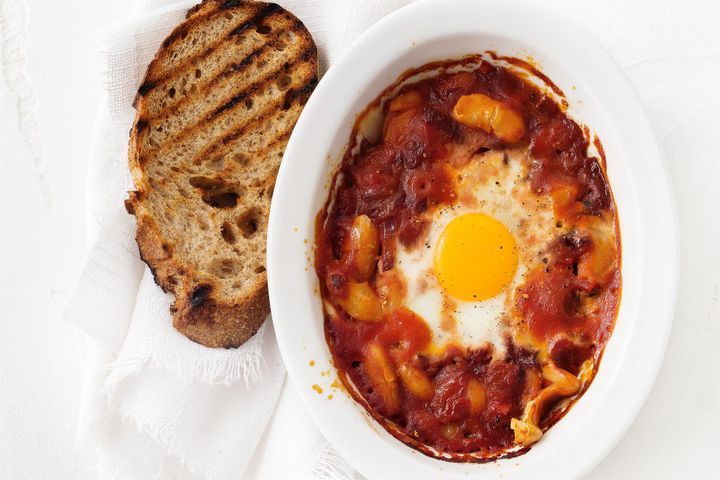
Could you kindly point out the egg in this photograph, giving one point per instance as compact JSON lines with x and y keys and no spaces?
{"x":470,"y":244}
{"x":461,"y":275}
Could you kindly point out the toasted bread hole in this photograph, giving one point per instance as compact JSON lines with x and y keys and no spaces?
{"x":223,"y":268}
{"x":206,"y":183}
{"x":259,"y":269}
{"x":228,"y":16}
{"x":284,"y":82}
{"x":215,"y":192}
{"x":261,"y":64}
{"x":247,"y":222}
{"x":216,"y":163}
{"x":172,"y":92}
{"x":287,"y":36}
{"x":198,"y":73}
{"x":263,"y":29}
{"x":202,"y":223}
{"x":226,"y":267}
{"x":248,"y":103}
{"x":226,"y":230}
{"x":221,"y":200}
{"x":193,"y":88}
{"x":279,"y":46}
{"x":239,"y":158}
{"x":236,"y":285}
{"x":183,"y":192}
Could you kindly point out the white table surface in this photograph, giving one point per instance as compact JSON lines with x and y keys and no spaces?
{"x":670,"y":50}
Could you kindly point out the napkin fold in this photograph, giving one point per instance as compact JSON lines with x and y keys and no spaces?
{"x":154,"y":404}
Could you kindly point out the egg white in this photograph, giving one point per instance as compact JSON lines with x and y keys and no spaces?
{"x":495,"y":184}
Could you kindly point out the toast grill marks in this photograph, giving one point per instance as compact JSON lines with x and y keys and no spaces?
{"x":224,"y":56}
{"x":251,"y":140}
{"x":226,"y":90}
{"x":196,"y":37}
{"x":234,"y":115}
{"x":204,"y":184}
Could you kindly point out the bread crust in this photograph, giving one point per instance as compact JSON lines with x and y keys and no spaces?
{"x":202,"y":310}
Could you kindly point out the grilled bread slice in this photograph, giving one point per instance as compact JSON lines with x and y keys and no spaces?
{"x":214,"y":114}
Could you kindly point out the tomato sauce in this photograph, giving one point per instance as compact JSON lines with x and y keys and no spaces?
{"x":461,"y":401}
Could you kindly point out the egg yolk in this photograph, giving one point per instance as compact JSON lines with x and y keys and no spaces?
{"x":475,"y":257}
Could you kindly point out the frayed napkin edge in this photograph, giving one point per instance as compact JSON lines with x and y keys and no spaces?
{"x":329,"y":465}
{"x":220,"y":370}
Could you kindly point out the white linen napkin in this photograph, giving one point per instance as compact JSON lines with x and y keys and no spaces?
{"x":154,"y":404}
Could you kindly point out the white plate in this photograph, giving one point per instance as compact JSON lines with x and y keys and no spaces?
{"x":600,"y":97}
